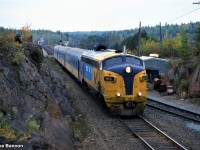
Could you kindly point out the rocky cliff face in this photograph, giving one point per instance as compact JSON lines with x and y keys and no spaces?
{"x":185,"y":77}
{"x":194,"y":81}
{"x":32,"y":102}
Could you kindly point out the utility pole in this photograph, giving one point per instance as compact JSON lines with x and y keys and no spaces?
{"x":139,"y":39}
{"x":160,"y":37}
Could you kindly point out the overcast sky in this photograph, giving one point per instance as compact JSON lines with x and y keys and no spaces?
{"x":95,"y":15}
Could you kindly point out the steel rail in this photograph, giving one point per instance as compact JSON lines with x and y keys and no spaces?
{"x":154,"y":135}
{"x":196,"y":118}
{"x":179,"y":145}
{"x":136,"y":135}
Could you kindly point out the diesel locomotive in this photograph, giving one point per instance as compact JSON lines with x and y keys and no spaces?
{"x":117,"y":77}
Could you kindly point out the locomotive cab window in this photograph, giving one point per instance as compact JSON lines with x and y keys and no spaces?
{"x":113,"y":61}
{"x":134,"y":61}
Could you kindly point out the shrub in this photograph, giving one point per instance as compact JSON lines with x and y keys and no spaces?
{"x":5,"y":120}
{"x":18,"y":54}
{"x":183,"y":85}
{"x":32,"y":125}
{"x":69,"y":89}
{"x":11,"y":48}
{"x":5,"y":126}
{"x":26,"y":33}
{"x":183,"y":88}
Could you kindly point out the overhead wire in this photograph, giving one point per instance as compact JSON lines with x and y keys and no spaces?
{"x":177,"y":11}
{"x":183,"y":15}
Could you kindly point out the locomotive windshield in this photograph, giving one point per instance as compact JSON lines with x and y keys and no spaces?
{"x":122,"y":59}
{"x":112,"y":61}
{"x":134,"y":60}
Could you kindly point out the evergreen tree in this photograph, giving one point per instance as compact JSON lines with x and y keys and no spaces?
{"x":197,"y":41}
{"x":185,"y":46}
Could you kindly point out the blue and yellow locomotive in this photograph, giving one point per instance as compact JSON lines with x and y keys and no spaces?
{"x":119,"y":78}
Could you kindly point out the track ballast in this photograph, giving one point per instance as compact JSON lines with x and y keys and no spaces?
{"x":153,"y":137}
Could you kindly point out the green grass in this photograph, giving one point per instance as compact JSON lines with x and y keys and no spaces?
{"x":53,"y":65}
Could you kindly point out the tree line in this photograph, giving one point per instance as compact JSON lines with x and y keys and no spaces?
{"x":176,"y":40}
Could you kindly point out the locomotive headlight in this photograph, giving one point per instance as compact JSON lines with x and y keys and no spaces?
{"x":118,"y":94}
{"x":139,"y":94}
{"x":128,"y":69}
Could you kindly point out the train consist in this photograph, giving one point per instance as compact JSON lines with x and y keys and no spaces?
{"x":119,"y":78}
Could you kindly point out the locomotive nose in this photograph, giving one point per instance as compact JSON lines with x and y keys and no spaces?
{"x":128,"y":72}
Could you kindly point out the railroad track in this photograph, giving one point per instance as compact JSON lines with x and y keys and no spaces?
{"x":173,"y":110}
{"x":154,"y":138}
{"x":48,"y":49}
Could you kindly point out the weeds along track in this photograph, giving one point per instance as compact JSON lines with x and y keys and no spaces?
{"x":48,"y":49}
{"x":153,"y":137}
{"x":173,"y":110}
